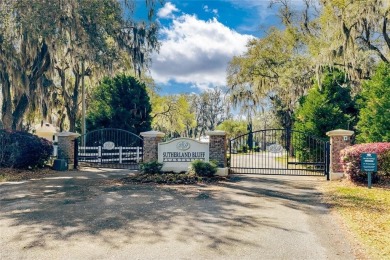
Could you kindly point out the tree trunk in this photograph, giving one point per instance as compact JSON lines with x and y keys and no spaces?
{"x":72,"y":120}
{"x":61,"y":121}
{"x":74,"y":108}
{"x":20,"y":111}
{"x":40,"y":65}
{"x":6,"y":108}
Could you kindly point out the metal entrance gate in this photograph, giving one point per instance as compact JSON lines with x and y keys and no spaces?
{"x":279,"y":151}
{"x":109,"y":148}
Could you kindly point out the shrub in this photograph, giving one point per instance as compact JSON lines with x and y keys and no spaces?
{"x":203,"y":169}
{"x":23,"y":150}
{"x":245,"y":148}
{"x":5,"y":142}
{"x":350,"y":159}
{"x":151,"y":167}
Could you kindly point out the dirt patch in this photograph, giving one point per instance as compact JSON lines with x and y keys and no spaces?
{"x":10,"y":174}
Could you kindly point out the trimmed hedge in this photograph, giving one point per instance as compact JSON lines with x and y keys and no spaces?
{"x":350,"y":159}
{"x":203,"y":169}
{"x":23,"y":150}
{"x":150,"y":167}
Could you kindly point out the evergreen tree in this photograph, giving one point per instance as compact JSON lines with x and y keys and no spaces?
{"x":120,"y":102}
{"x":374,"y":116}
{"x":325,"y":108}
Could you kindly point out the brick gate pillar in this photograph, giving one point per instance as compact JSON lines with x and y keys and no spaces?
{"x":218,"y":148}
{"x":339,"y":139}
{"x":66,"y":147}
{"x":150,"y":149}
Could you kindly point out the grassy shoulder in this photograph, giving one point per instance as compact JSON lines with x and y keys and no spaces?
{"x":366,"y":213}
{"x":10,"y":174}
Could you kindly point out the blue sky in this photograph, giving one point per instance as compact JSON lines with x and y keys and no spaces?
{"x":199,"y":38}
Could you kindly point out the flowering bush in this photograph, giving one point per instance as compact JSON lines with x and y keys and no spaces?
{"x":23,"y":150}
{"x":350,"y":159}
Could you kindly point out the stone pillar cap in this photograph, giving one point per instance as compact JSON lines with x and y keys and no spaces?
{"x":152,"y":134}
{"x":216,"y":132}
{"x":67,"y":134}
{"x":340,"y":132}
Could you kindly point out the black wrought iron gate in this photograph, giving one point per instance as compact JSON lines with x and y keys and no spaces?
{"x":279,"y":151}
{"x":109,"y":148}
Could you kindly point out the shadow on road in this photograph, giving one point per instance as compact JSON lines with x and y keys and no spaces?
{"x":297,"y":192}
{"x":64,"y":209}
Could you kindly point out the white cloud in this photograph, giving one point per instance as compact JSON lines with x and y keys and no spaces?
{"x":207,"y":9}
{"x":167,"y":10}
{"x":196,"y":52}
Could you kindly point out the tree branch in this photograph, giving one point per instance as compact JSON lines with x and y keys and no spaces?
{"x":306,"y":17}
{"x":384,"y":29}
{"x":164,"y":113}
{"x":373,"y":48}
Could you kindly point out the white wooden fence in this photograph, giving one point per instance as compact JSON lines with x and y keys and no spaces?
{"x":96,"y":154}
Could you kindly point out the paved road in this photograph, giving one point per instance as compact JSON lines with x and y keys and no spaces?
{"x":88,"y":216}
{"x":259,"y":160}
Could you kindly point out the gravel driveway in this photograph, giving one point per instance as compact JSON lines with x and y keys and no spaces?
{"x":88,"y":215}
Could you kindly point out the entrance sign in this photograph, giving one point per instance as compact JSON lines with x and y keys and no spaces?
{"x":275,"y":148}
{"x":177,"y":154}
{"x":369,"y":164}
{"x":109,"y":145}
{"x":183,"y":145}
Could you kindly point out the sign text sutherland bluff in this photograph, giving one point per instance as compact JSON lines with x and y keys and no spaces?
{"x":177,"y":154}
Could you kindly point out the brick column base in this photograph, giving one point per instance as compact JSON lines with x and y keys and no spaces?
{"x":66,"y":147}
{"x":150,"y":149}
{"x":218,"y":148}
{"x":339,"y":139}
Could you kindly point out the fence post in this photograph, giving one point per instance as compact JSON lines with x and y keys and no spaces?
{"x":137,"y":154}
{"x":120,"y":154}
{"x":327,"y":160}
{"x":76,"y":153}
{"x":100,"y":154}
{"x":339,"y":139}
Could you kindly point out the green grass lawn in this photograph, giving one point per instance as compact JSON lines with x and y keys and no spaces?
{"x":366,"y":212}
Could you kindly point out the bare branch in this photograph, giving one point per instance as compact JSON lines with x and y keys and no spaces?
{"x":306,"y":17}
{"x":384,"y":29}
{"x":373,"y":48}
